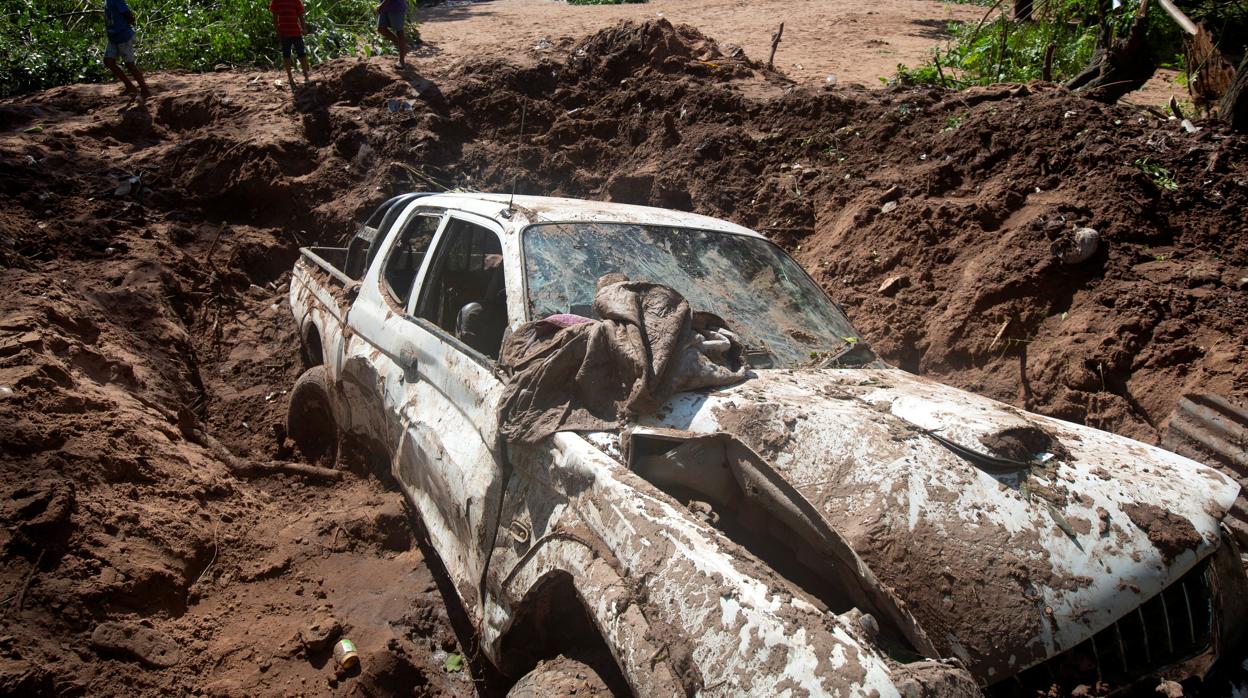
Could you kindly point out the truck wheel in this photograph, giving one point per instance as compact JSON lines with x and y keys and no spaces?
{"x":310,"y":417}
{"x":561,"y":676}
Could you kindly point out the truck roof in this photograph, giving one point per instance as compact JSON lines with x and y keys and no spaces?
{"x":549,"y":209}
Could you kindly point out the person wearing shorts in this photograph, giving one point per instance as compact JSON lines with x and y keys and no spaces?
{"x":391,"y":16}
{"x":288,"y":20}
{"x":118,"y":26}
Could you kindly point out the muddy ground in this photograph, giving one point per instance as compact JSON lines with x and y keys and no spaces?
{"x":140,"y":313}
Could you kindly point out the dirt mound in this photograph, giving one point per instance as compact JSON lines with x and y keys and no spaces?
{"x":630,"y":50}
{"x":145,"y":247}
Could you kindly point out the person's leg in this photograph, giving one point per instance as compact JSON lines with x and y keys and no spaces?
{"x":110,"y":61}
{"x":384,"y":29}
{"x":390,"y":26}
{"x":111,"y":64}
{"x":397,"y":21}
{"x":287,"y":44}
{"x":138,"y":77}
{"x":125,"y":52}
{"x":302,"y":50}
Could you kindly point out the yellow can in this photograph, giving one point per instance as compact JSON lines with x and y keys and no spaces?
{"x":345,"y":654}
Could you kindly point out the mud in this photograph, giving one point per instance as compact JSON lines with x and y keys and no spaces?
{"x":1170,"y":533}
{"x":130,"y":302}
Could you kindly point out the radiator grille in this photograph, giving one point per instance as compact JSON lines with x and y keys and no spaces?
{"x":1172,"y":626}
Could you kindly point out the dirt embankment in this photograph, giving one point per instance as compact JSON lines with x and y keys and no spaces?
{"x":137,"y":309}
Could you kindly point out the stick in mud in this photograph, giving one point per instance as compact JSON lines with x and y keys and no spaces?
{"x":21,"y":595}
{"x":775,"y":41}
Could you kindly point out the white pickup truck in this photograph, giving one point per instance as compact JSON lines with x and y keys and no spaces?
{"x":831,"y":525}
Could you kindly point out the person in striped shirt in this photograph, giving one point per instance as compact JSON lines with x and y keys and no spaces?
{"x":288,"y":20}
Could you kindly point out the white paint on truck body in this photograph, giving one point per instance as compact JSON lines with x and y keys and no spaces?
{"x":656,"y":579}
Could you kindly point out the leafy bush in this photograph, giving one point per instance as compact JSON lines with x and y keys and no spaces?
{"x":1002,"y":50}
{"x":1005,"y":51}
{"x":55,"y":42}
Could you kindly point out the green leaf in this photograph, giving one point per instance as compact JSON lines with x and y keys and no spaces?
{"x":454,"y":662}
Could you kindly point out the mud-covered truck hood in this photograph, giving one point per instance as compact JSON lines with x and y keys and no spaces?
{"x":1001,"y":566}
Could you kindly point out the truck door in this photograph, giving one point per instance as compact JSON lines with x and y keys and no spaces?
{"x":448,"y":459}
{"x":371,"y":376}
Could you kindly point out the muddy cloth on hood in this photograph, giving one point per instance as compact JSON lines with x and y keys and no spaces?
{"x":578,"y":374}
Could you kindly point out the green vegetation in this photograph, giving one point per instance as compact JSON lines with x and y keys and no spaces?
{"x":55,"y":42}
{"x":1003,"y":50}
{"x":1159,"y":174}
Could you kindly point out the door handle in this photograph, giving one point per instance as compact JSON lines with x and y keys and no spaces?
{"x":408,"y":360}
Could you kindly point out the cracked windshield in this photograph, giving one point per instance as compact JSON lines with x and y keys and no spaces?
{"x":783,"y":318}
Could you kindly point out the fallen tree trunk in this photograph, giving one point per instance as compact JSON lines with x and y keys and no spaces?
{"x":1119,"y":66}
{"x":1234,"y":107}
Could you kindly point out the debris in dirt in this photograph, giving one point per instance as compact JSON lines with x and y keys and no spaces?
{"x":888,"y":207}
{"x":127,"y":185}
{"x":893,"y":193}
{"x":320,"y":634}
{"x":1079,"y":246}
{"x":1170,"y":689}
{"x":346,"y":655}
{"x":893,"y":284}
{"x":148,"y":645}
{"x":246,"y":468}
{"x":1169,"y":532}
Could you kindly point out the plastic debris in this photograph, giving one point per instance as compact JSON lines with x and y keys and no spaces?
{"x":127,"y":185}
{"x":1084,"y":244}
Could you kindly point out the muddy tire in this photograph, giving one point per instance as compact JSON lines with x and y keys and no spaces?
{"x":310,"y":417}
{"x":561,"y":676}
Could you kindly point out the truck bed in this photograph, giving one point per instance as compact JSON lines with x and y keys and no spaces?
{"x":332,"y":260}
